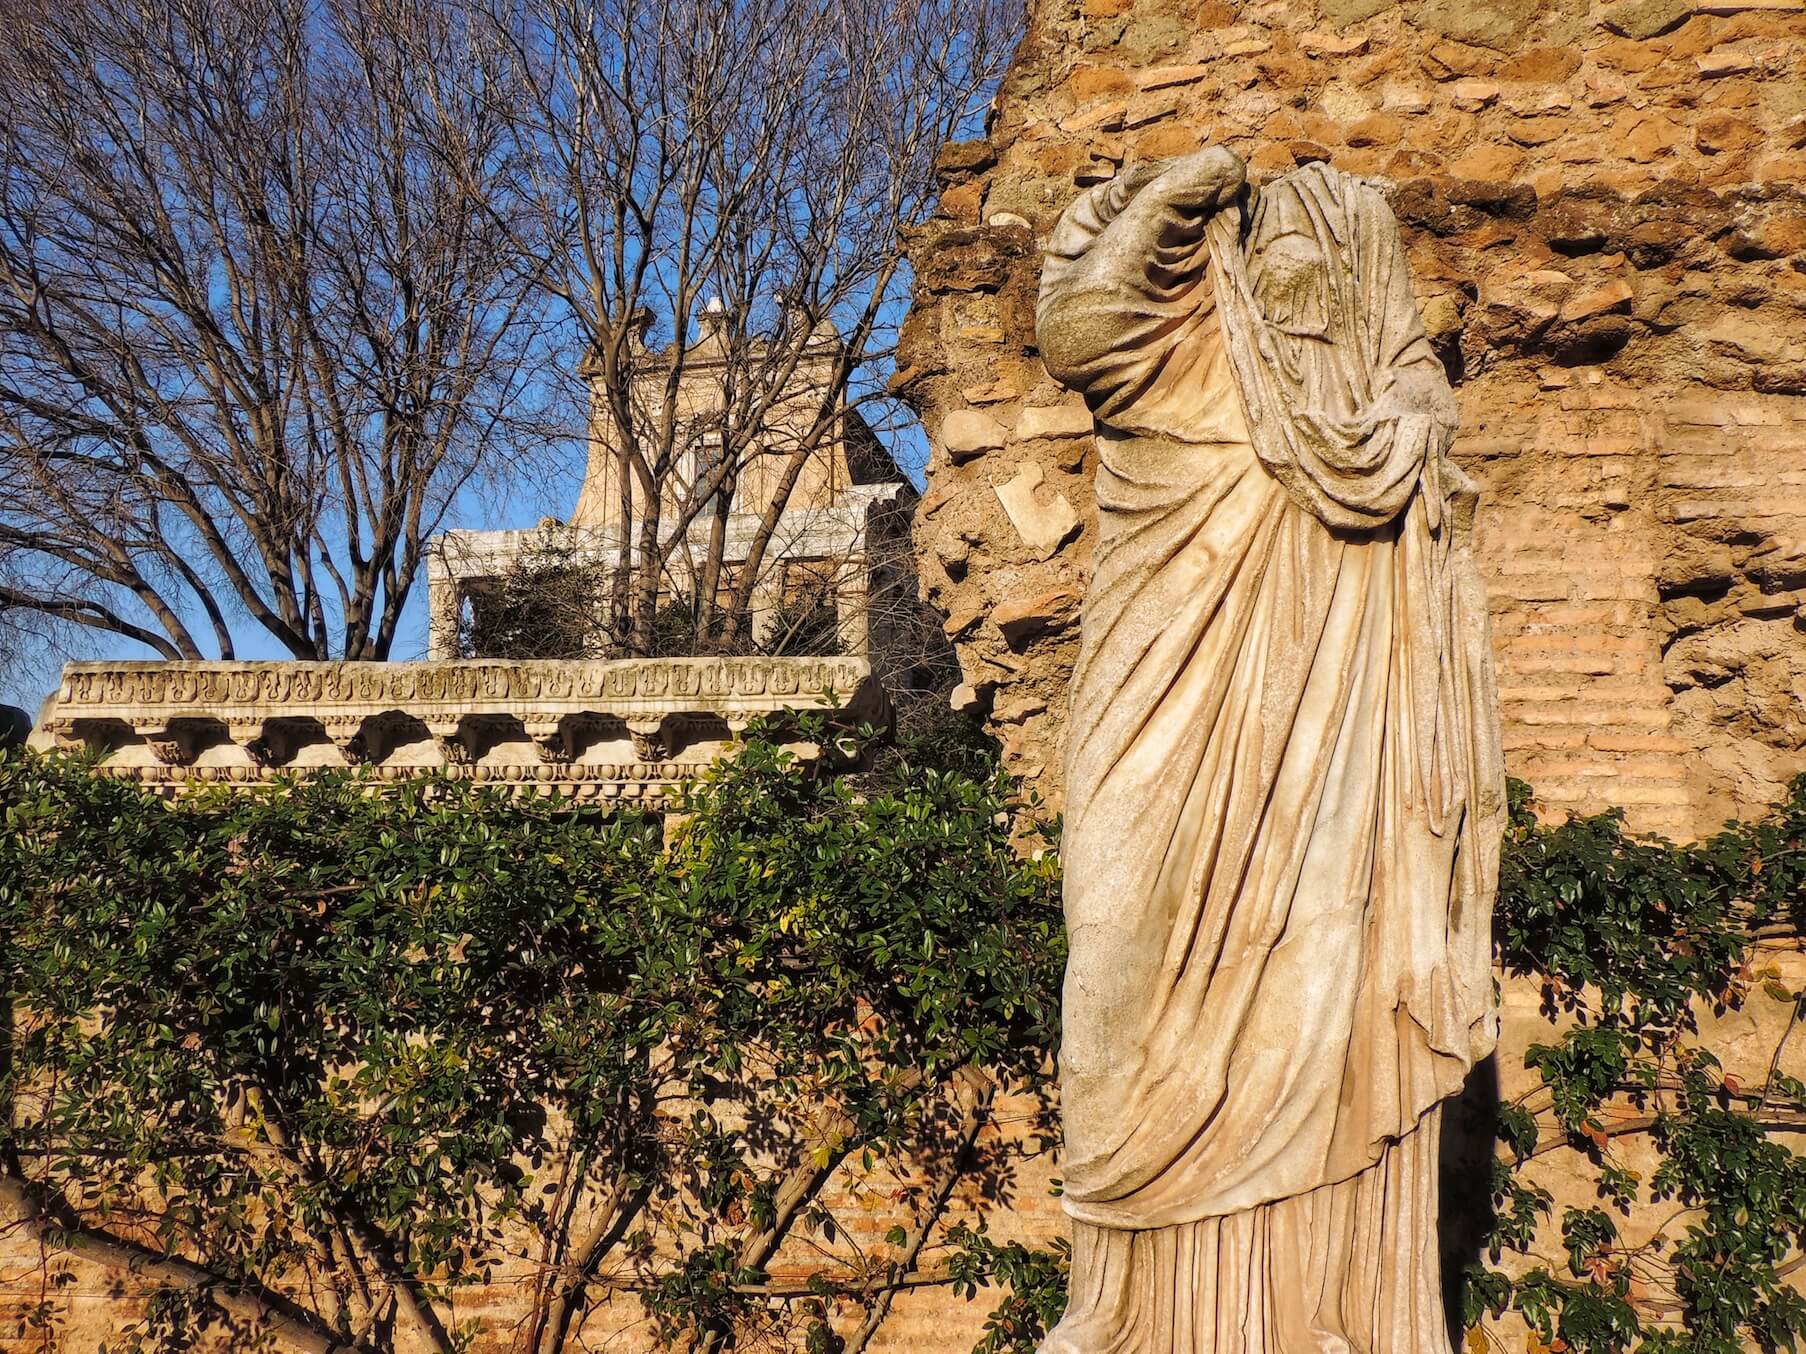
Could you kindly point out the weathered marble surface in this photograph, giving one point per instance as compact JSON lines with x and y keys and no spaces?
{"x":1283,"y":774}
{"x":630,"y":729}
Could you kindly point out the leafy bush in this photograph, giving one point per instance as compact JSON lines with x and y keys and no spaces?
{"x":370,"y":1047}
{"x":335,"y":1053}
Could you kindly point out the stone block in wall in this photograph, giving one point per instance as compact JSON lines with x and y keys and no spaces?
{"x":1610,"y":265}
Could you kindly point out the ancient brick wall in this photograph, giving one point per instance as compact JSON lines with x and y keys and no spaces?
{"x":1605,"y":209}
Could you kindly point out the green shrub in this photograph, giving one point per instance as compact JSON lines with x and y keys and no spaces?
{"x":1632,"y":937}
{"x":369,"y":1045}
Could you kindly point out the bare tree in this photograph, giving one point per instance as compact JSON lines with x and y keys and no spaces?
{"x":253,"y":340}
{"x":727,"y":185}
{"x":272,"y":277}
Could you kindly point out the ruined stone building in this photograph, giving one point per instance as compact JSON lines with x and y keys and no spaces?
{"x":1604,"y":207}
{"x":1605,"y":210}
{"x":845,"y":516}
{"x":591,"y":724}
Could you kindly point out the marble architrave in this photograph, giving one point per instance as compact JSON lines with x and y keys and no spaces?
{"x":609,"y":730}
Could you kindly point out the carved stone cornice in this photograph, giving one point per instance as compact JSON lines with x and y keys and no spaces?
{"x":170,"y":750}
{"x":238,"y":691}
{"x":625,"y":730}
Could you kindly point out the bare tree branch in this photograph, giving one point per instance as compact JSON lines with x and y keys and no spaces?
{"x":249,"y":331}
{"x":730,"y":187}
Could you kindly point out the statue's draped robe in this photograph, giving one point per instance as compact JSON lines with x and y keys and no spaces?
{"x":1284,"y":785}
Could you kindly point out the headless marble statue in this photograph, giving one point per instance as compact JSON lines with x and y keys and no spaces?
{"x":1284,"y":782}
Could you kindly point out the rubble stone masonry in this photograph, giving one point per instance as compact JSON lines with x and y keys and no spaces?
{"x":1605,"y":209}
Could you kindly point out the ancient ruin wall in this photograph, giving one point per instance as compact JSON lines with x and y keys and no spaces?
{"x":1605,"y":208}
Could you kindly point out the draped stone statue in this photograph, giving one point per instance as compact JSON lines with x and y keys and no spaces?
{"x":1284,"y":784}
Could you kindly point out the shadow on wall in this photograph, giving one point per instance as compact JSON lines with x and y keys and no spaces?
{"x":1469,"y":1141}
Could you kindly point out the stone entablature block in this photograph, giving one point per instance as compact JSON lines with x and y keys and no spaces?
{"x":631,"y":729}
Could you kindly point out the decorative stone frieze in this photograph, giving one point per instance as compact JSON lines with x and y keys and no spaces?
{"x":616,"y":730}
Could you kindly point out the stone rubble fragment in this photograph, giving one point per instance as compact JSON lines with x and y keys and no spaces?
{"x":1043,"y":527}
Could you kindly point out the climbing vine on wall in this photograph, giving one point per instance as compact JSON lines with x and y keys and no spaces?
{"x":1632,"y":940}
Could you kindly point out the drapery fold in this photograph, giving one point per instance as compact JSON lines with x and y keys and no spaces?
{"x":1284,"y":783}
{"x":1357,"y":1263}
